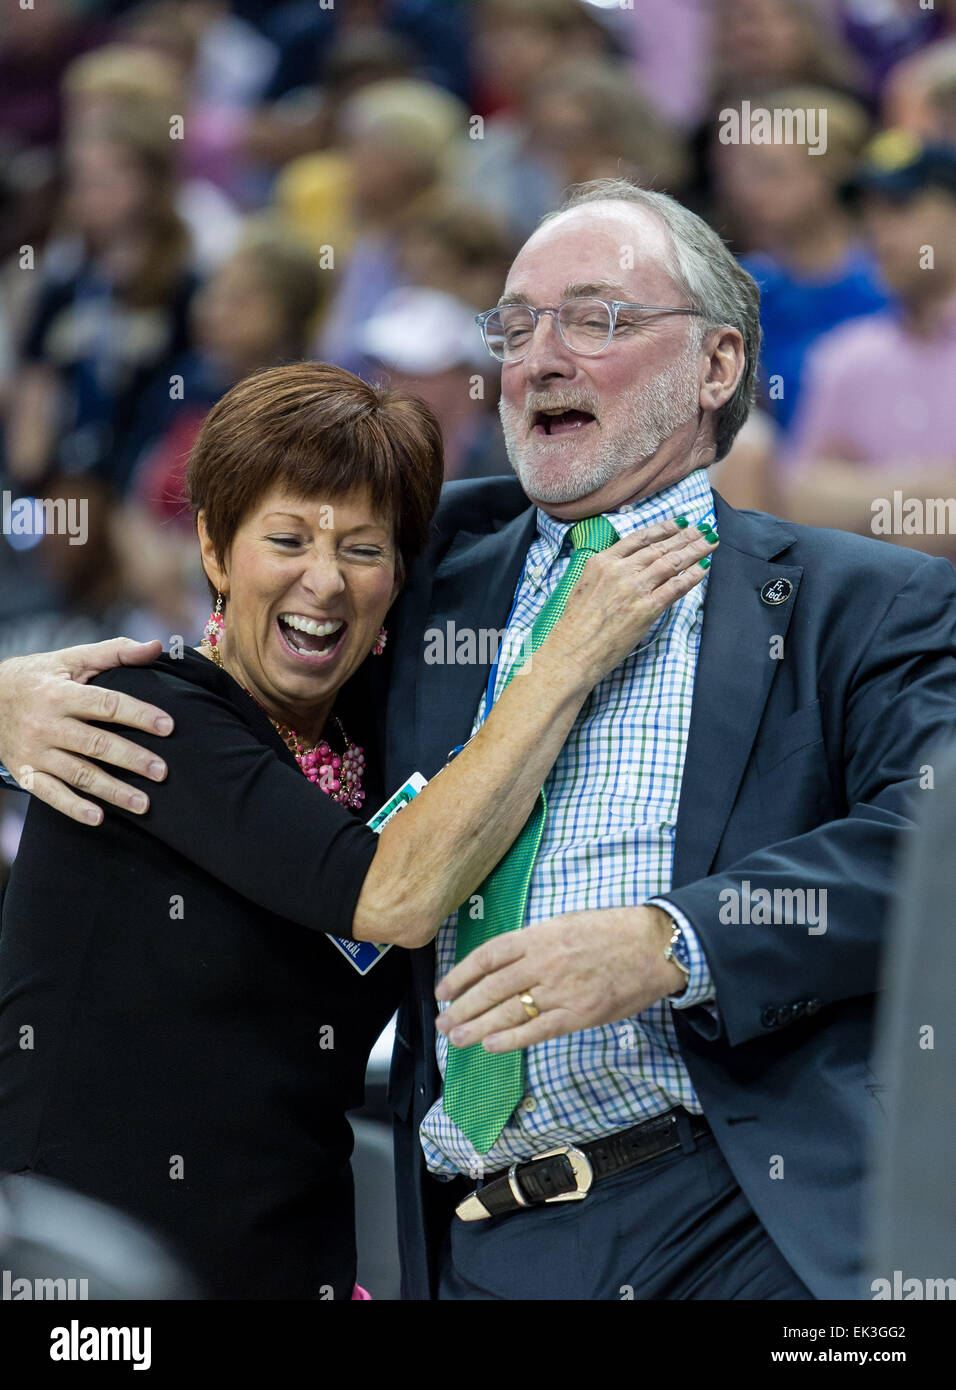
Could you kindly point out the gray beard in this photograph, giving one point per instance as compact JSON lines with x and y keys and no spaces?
{"x":653,"y":414}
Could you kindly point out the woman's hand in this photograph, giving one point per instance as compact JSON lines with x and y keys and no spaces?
{"x":43,"y":708}
{"x":622,"y":591}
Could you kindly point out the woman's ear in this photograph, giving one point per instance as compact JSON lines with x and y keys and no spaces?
{"x":215,"y":572}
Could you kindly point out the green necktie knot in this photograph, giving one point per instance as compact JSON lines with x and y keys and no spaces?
{"x":593,"y":533}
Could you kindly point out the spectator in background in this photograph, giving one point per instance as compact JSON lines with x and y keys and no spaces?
{"x":29,"y":198}
{"x":518,"y":43}
{"x":763,"y":44}
{"x":312,"y":197}
{"x":225,"y":66}
{"x":920,"y":93}
{"x":879,"y":410}
{"x":36,"y":44}
{"x":112,"y":311}
{"x":588,"y":120}
{"x":459,"y":248}
{"x":453,"y":260}
{"x":305,"y":120}
{"x":670,"y":42}
{"x":428,"y":343}
{"x":783,"y":204}
{"x":123,"y":77}
{"x":60,"y":592}
{"x":307,"y":36}
{"x":884,"y":33}
{"x":257,"y":311}
{"x":52,"y":591}
{"x":312,"y":192}
{"x":397,"y":137}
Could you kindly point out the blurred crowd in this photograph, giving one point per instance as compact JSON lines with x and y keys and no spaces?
{"x":191,"y":190}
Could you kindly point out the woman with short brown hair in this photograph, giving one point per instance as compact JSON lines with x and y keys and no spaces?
{"x":197,"y":1035}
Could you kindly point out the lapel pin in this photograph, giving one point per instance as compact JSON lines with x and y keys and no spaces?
{"x":776,"y":591}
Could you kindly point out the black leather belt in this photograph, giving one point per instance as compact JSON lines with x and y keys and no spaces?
{"x":567,"y":1174}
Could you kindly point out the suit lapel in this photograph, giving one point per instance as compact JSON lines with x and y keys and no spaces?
{"x":735,"y":669}
{"x":472,"y":593}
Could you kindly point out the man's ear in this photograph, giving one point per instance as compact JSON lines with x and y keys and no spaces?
{"x":215,"y":572}
{"x":725,"y":366}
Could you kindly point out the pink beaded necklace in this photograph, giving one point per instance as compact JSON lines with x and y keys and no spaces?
{"x":338,"y":775}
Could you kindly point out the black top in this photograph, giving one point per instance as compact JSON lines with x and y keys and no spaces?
{"x":177,"y":1035}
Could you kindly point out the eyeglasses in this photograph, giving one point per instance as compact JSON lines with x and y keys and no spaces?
{"x":585,"y":325}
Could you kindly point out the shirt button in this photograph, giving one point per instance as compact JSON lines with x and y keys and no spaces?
{"x":528,"y":1104}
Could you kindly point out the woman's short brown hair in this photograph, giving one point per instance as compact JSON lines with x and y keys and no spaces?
{"x":317,"y":430}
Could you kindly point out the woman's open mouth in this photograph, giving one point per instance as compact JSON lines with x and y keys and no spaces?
{"x":310,"y":639}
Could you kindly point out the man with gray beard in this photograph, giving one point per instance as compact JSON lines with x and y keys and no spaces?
{"x":655,"y":411}
{"x":628,"y":1097}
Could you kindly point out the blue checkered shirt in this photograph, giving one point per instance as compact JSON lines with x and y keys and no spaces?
{"x":608,"y":841}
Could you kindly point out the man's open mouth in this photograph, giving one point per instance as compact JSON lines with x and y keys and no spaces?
{"x":309,"y":636}
{"x":555,"y":422}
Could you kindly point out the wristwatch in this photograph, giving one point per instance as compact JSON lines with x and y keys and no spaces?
{"x":677,"y":952}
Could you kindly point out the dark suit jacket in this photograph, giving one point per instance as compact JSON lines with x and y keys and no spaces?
{"x":798,"y":774}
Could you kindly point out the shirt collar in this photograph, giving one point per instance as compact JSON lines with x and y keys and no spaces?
{"x":690,"y":496}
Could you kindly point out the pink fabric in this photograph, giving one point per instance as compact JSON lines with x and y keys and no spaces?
{"x":359,"y":1292}
{"x":877,"y":396}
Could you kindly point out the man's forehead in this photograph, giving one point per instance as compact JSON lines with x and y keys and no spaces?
{"x":615,"y":248}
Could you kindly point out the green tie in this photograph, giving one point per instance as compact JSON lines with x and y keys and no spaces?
{"x":483,"y":1088}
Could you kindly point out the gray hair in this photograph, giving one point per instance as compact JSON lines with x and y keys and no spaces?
{"x":714,"y":282}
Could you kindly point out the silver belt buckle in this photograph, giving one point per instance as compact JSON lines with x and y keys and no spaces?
{"x":471,"y":1209}
{"x":580,"y":1167}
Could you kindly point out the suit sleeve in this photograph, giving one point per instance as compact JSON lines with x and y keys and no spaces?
{"x":899,"y":706}
{"x":231,"y":806}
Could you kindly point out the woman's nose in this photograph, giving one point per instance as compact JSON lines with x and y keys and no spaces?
{"x":323,"y":577}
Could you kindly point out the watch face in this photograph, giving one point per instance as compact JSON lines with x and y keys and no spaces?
{"x":679,"y":948}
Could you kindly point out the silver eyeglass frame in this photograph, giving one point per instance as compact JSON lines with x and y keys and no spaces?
{"x":613,"y":307}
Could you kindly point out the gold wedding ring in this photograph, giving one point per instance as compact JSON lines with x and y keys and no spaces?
{"x":530,"y":1007}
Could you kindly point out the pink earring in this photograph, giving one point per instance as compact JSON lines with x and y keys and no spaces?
{"x":379,"y":645}
{"x":212,"y":632}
